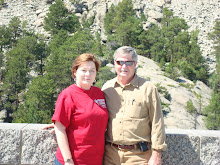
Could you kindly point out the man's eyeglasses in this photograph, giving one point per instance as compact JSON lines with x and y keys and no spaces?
{"x":127,"y":63}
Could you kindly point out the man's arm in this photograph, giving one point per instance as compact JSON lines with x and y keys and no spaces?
{"x":158,"y":136}
{"x":155,"y":158}
{"x":48,"y":127}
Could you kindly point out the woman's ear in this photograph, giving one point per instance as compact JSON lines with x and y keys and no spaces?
{"x":74,"y":73}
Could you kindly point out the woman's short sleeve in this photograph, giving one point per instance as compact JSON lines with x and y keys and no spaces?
{"x":63,"y":109}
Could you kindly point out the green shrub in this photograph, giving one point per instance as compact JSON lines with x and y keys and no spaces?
{"x":190,"y":107}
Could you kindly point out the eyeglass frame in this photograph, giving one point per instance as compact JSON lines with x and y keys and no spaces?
{"x":127,"y":63}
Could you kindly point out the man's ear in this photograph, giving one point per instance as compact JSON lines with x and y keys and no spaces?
{"x":135,"y":63}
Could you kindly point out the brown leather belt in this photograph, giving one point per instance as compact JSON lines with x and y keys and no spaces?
{"x":124,"y":147}
{"x":127,"y":147}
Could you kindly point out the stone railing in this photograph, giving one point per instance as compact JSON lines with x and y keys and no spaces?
{"x":27,"y":144}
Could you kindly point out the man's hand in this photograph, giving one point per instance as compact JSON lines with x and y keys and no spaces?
{"x":155,"y":158}
{"x":48,"y":127}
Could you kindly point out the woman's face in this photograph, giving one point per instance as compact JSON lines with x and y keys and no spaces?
{"x":85,"y":75}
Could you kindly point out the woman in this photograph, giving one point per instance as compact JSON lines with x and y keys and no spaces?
{"x":81,"y":116}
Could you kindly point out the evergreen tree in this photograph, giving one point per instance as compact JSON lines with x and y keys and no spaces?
{"x":98,"y":46}
{"x":36,"y":52}
{"x":59,"y":18}
{"x":4,"y":37}
{"x":11,"y":33}
{"x":18,"y":65}
{"x":15,"y":29}
{"x":173,"y":44}
{"x":86,"y":23}
{"x":1,"y":60}
{"x":171,"y":71}
{"x":38,"y":102}
{"x":15,"y":79}
{"x":57,"y":41}
{"x":122,"y":26}
{"x":108,"y":23}
{"x":171,"y":29}
{"x":103,"y":75}
{"x":196,"y":59}
{"x":213,"y":110}
{"x":156,"y":43}
{"x":60,"y":62}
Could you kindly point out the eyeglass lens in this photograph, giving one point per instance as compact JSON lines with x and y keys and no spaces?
{"x":127,"y":63}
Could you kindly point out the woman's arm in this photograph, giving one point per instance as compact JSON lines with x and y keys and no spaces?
{"x":63,"y":143}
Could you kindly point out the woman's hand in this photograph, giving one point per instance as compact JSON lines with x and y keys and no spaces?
{"x":69,"y":163}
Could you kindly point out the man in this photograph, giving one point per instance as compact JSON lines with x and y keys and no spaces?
{"x":135,"y":115}
{"x":135,"y":133}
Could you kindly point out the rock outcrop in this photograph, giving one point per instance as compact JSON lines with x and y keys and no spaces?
{"x":199,"y":14}
{"x":179,"y":93}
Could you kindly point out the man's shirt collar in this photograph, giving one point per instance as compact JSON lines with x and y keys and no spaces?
{"x":133,"y":82}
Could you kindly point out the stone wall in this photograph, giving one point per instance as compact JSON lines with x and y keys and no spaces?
{"x":27,"y":144}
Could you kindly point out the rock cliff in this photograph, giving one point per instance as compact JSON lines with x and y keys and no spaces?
{"x":199,"y":14}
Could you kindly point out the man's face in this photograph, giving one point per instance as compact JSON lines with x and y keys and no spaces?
{"x":125,"y":67}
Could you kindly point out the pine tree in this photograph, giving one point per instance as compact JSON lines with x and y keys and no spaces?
{"x":38,"y":102}
{"x":15,"y":79}
{"x":108,"y":20}
{"x":212,"y":112}
{"x":59,"y":18}
{"x":171,"y":29}
{"x":156,"y":41}
{"x":103,"y":75}
{"x":4,"y":37}
{"x":59,"y":65}
{"x":15,"y":29}
{"x":122,"y":26}
{"x":213,"y":109}
{"x":18,"y":65}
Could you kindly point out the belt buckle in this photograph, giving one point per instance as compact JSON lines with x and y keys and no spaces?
{"x":119,"y":146}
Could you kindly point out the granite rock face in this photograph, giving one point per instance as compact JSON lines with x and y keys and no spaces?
{"x":177,"y":115}
{"x":199,"y":14}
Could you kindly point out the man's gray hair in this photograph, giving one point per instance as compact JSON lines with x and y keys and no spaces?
{"x":126,"y":50}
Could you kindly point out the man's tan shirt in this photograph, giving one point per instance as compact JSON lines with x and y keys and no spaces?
{"x":134,"y":113}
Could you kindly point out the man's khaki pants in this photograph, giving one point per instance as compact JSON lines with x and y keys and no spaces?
{"x":114,"y":156}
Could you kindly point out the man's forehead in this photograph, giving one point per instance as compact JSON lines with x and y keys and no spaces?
{"x":124,"y":56}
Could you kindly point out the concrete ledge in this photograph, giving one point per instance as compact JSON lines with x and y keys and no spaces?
{"x":192,"y":147}
{"x":26,"y":144}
